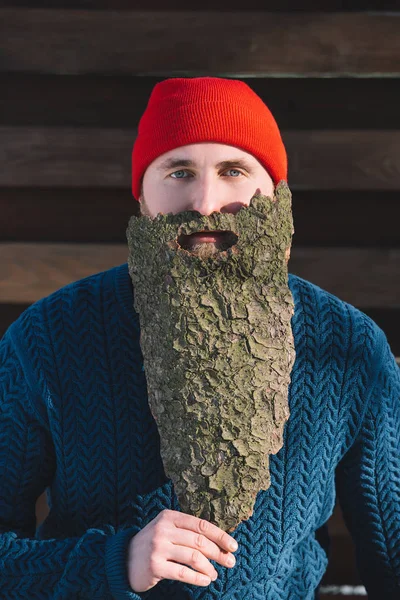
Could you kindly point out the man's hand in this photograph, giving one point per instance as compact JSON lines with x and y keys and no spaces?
{"x":172,"y":540}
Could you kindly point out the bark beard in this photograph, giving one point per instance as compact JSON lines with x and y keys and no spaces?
{"x":218,"y":350}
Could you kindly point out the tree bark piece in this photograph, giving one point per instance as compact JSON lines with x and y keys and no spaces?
{"x":218,"y":350}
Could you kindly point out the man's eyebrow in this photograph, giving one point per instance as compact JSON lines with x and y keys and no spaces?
{"x":173,"y":163}
{"x":239,"y":162}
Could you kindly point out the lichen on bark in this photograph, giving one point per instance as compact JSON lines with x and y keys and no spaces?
{"x":218,"y":350}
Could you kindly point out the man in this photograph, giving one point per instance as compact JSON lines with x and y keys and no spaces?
{"x":75,"y":415}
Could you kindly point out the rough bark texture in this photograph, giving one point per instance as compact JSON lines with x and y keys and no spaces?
{"x":218,"y":350}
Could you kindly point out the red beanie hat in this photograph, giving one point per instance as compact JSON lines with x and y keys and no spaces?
{"x":183,"y":111}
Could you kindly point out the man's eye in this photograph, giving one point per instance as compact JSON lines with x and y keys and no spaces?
{"x":234,"y":171}
{"x":178,"y":174}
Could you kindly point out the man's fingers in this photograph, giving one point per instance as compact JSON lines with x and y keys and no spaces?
{"x":181,"y":572}
{"x":198,"y":541}
{"x":211,"y":531}
{"x":193,"y":558}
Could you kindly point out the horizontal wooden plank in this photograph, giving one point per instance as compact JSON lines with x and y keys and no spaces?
{"x":68,"y":215}
{"x":363,"y":277}
{"x":119,"y":101}
{"x":343,"y":159}
{"x":328,"y":218}
{"x":270,"y":6}
{"x":65,"y":157}
{"x":346,"y":218}
{"x":92,"y":157}
{"x":189,"y":43}
{"x":29,"y":272}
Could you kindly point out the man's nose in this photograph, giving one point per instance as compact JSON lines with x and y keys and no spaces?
{"x":207,"y":197}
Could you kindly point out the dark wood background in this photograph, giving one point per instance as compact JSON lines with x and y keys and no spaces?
{"x":75,"y":78}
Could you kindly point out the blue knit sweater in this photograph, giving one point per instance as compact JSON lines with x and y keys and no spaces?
{"x":74,"y":419}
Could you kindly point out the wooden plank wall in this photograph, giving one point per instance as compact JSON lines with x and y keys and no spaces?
{"x":75,"y":78}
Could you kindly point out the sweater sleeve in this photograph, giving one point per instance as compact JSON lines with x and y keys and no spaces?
{"x":91,"y":566}
{"x":368,"y":485}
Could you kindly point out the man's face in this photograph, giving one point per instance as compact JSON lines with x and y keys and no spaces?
{"x":205,"y":177}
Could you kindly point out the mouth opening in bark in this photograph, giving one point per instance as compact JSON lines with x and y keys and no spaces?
{"x":222,"y":239}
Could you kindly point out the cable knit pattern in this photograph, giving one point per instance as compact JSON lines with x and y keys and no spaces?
{"x":75,"y":421}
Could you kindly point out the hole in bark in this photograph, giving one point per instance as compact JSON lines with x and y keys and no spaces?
{"x":224,"y":239}
{"x":191,"y":400}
